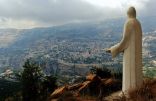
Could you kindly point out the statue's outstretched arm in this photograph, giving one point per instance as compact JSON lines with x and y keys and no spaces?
{"x":123,"y":44}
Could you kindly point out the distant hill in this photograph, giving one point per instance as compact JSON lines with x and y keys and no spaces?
{"x":76,"y":42}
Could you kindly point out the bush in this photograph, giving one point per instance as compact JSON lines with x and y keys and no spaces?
{"x":146,"y":92}
{"x":101,"y":72}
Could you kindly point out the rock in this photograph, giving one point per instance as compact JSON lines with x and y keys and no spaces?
{"x":75,"y":86}
{"x":84,"y":85}
{"x":58,"y":92}
{"x":108,"y":82}
{"x":91,"y":77}
{"x":91,"y":86}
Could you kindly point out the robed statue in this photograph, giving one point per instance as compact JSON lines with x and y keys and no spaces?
{"x":131,"y":46}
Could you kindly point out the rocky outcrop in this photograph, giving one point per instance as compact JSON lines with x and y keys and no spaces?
{"x":93,"y":85}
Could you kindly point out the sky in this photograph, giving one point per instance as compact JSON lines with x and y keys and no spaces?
{"x":45,"y":13}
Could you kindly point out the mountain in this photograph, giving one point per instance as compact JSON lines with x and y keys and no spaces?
{"x":65,"y":46}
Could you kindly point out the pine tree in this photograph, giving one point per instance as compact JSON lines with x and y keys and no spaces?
{"x":31,"y":80}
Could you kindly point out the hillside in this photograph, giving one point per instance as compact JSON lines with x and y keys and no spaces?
{"x":76,"y":43}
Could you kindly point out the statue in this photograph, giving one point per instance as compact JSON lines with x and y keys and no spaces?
{"x":131,"y":46}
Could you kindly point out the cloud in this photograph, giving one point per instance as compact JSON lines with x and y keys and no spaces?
{"x":32,"y":13}
{"x":149,"y":9}
{"x":47,"y":12}
{"x":14,"y":23}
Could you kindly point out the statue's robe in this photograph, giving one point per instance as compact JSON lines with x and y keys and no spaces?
{"x":131,"y":46}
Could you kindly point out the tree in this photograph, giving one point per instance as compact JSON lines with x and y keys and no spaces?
{"x":48,"y":85}
{"x":31,"y":78}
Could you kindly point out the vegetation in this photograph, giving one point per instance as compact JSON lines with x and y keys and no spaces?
{"x":10,"y":88}
{"x":146,"y":92}
{"x":59,"y":47}
{"x":31,"y":79}
{"x":101,"y":72}
{"x":35,"y":85}
{"x":30,"y":85}
{"x":150,"y":72}
{"x":106,"y":73}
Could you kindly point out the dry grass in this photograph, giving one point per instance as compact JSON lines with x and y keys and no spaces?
{"x":147,"y":92}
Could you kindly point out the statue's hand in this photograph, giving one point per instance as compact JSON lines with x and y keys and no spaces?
{"x":108,"y":50}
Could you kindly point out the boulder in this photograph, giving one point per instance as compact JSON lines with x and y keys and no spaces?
{"x":75,"y":86}
{"x":58,"y":92}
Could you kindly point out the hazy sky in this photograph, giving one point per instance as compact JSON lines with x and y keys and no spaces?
{"x":38,"y":13}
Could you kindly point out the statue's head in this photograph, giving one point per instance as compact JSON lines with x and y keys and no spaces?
{"x":131,"y":13}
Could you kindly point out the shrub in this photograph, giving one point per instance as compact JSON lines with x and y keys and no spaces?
{"x":101,"y":72}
